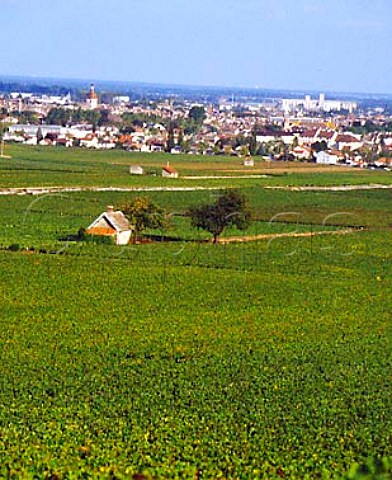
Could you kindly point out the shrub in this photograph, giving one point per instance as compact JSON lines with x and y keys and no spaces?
{"x":373,"y":469}
{"x":99,"y":239}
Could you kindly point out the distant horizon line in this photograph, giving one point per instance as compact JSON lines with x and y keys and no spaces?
{"x":255,"y":88}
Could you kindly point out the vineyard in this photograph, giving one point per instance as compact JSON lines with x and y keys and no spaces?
{"x":56,"y":166}
{"x":182,"y":359}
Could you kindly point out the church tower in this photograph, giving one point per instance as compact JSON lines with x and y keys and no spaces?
{"x":92,"y":98}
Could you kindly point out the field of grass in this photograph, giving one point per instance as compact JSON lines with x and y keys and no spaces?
{"x":46,"y":220}
{"x":51,"y":166}
{"x":183,"y":359}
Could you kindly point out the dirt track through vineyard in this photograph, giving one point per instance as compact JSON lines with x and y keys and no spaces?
{"x":269,"y":236}
{"x":46,"y":190}
{"x":70,"y":189}
{"x":332,"y":188}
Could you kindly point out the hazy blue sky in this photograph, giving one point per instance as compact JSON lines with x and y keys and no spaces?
{"x":296,"y":44}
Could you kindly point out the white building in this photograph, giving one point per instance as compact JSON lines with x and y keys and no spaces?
{"x":136,"y":170}
{"x":32,"y":130}
{"x":248,"y":161}
{"x":121,"y":99}
{"x":328,"y":158}
{"x":321,"y":104}
{"x":111,"y":224}
{"x":169,"y":172}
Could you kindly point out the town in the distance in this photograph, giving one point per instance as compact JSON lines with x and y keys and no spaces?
{"x":309,"y":128}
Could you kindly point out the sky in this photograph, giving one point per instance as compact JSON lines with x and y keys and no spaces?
{"x":325,"y":45}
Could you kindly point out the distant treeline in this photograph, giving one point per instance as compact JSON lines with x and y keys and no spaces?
{"x":9,"y":87}
{"x":139,"y":91}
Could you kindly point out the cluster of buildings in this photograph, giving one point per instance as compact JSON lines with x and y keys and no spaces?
{"x":317,"y":105}
{"x":306,"y":129}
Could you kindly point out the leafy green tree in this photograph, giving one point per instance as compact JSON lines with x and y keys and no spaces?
{"x":170,"y":140}
{"x":374,"y":469}
{"x":244,"y":150}
{"x":319,"y":146}
{"x":218,"y":147}
{"x":253,"y":144}
{"x":27,"y":116}
{"x":126,"y":129}
{"x":104,"y":118}
{"x":3,"y":125}
{"x":93,"y":116}
{"x":40,"y":135}
{"x":180,"y":140}
{"x":78,"y":116}
{"x":201,"y":147}
{"x":139,"y":119}
{"x":240,"y":141}
{"x":197,"y":114}
{"x":58,"y":116}
{"x":3,"y":129}
{"x":230,"y":209}
{"x":143,"y":213}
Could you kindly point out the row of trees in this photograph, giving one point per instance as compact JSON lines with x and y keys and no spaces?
{"x":370,"y":127}
{"x":63,"y":117}
{"x":128,"y":120}
{"x":229,"y":209}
